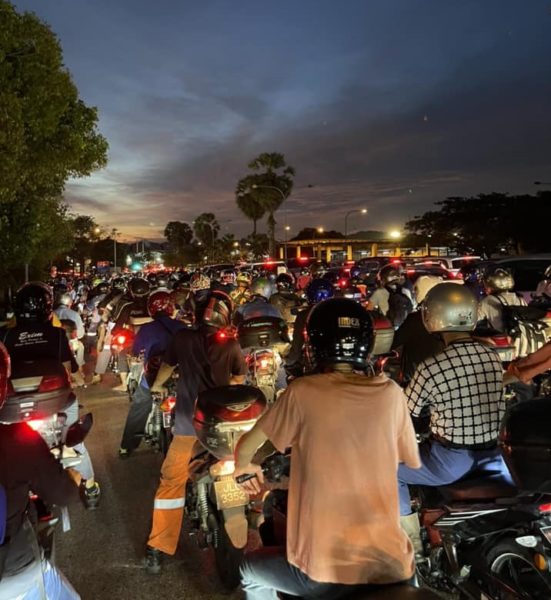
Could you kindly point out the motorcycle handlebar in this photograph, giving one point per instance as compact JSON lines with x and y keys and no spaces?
{"x":274,"y":468}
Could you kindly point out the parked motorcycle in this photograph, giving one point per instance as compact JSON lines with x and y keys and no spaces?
{"x":263,"y":339}
{"x":215,"y":505}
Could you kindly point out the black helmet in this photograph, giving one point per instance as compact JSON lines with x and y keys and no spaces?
{"x":318,"y":290}
{"x":339,"y":330}
{"x":101,"y":288}
{"x":391,"y":275}
{"x":218,"y":310}
{"x":138,"y":287}
{"x":285,"y":282}
{"x":34,"y":302}
{"x":151,"y":278}
{"x":119,"y":284}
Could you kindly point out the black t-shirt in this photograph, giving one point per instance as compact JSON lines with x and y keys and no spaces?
{"x":203,"y":363}
{"x":36,"y":341}
{"x":129,"y":308}
{"x":26,"y":464}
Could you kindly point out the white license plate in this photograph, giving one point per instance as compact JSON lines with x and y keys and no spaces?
{"x":167,"y":420}
{"x":229,"y":494}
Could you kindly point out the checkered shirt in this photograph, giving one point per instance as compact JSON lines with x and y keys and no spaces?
{"x":463,"y":388}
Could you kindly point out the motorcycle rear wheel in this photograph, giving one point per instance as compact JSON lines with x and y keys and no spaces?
{"x":226,"y":556}
{"x":513,"y":565}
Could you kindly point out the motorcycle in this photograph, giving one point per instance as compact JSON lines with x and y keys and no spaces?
{"x":484,"y":538}
{"x":215,"y":505}
{"x":158,"y":428}
{"x":263,"y":339}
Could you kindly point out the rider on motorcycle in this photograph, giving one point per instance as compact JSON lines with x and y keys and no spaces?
{"x":241,"y":294}
{"x":347,"y":432}
{"x":34,"y":338}
{"x":462,"y":387}
{"x":498,"y":284}
{"x":152,"y":340}
{"x":204,"y":360}
{"x":285,"y":299}
{"x":258,"y":304}
{"x":27,"y":466}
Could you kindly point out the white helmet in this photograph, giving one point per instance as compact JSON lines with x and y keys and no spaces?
{"x":423,"y":285}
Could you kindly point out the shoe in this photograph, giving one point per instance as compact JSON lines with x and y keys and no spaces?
{"x":124,"y":453}
{"x":153,"y":560}
{"x":90,"y":495}
{"x":95,"y":379}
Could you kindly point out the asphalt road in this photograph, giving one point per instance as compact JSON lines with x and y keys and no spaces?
{"x":102,"y":554}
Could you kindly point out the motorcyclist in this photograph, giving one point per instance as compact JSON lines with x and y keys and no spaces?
{"x":63,"y":310}
{"x":392,"y":298}
{"x":200,"y":287}
{"x":258,"y":304}
{"x":304,"y":279}
{"x":499,"y":284}
{"x":204,"y":360}
{"x":152,"y":340}
{"x":27,"y":466}
{"x":286,"y":299}
{"x":542,"y":294}
{"x":336,"y":542}
{"x":316,"y":292}
{"x":462,"y":388}
{"x":227,"y":281}
{"x":35,"y":338}
{"x":241,"y":294}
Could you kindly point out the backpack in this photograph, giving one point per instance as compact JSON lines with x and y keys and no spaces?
{"x":399,"y":306}
{"x":523,"y":324}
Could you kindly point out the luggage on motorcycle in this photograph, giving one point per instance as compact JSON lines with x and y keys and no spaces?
{"x":223,"y":414}
{"x":525,"y":441}
{"x":37,"y":389}
{"x":525,"y":325}
{"x":399,"y":306}
{"x":262,"y":332}
{"x":384,"y":334}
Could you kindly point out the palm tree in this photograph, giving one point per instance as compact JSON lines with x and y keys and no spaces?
{"x":206,"y":229}
{"x":248,"y":204}
{"x":270,"y":185}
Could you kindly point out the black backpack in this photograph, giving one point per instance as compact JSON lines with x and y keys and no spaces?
{"x":399,"y":306}
{"x":525,"y":327}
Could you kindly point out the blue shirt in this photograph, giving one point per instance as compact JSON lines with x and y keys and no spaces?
{"x":154,"y":338}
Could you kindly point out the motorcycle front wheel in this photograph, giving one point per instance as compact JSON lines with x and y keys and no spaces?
{"x":226,"y":556}
{"x":513,"y":565}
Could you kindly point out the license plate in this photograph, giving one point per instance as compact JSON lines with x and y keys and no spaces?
{"x":229,"y":494}
{"x":167,"y":420}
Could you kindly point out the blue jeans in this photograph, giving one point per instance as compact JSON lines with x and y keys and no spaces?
{"x":442,"y":465}
{"x":266,"y":572}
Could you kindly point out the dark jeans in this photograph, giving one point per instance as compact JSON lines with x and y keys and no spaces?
{"x":266,"y":572}
{"x":137,"y":418}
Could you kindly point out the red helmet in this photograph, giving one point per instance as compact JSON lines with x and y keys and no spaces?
{"x":5,"y":372}
{"x":160,"y":301}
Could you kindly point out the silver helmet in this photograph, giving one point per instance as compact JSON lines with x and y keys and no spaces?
{"x":449,"y":307}
{"x":499,"y":280}
{"x":262,"y":286}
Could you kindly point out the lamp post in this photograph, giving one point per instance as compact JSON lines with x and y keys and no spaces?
{"x":115,"y":234}
{"x":363,"y":211}
{"x":287,"y":228}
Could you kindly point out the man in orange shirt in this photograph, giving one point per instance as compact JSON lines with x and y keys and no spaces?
{"x":348,"y":433}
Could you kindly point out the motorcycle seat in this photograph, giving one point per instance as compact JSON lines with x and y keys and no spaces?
{"x":386,"y":592}
{"x":478,"y":488}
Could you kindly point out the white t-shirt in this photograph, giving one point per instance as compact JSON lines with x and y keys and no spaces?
{"x":491,"y":308}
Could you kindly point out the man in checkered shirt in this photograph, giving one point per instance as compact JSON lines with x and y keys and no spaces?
{"x":462,"y":387}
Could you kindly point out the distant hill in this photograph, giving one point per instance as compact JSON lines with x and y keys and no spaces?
{"x":368,"y":235}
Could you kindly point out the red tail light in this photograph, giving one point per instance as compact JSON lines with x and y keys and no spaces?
{"x":168,"y":404}
{"x":545,"y":508}
{"x":51,"y":383}
{"x":501,"y":340}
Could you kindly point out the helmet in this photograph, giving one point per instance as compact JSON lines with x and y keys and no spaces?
{"x":151,"y":279}
{"x":63,"y":300}
{"x":449,"y":307}
{"x":96,"y":281}
{"x":199,"y":282}
{"x":243,"y":278}
{"x":423,"y":285}
{"x":160,"y":301}
{"x":339,"y":330}
{"x":33,"y":302}
{"x":499,"y":280}
{"x":228,"y":276}
{"x":218,"y":311}
{"x":547,"y":274}
{"x":119,"y":284}
{"x":138,"y":287}
{"x":162,"y":281}
{"x":101,"y":288}
{"x":5,"y":373}
{"x":262,"y":287}
{"x":390,"y":275}
{"x":285,"y":282}
{"x":318,"y":290}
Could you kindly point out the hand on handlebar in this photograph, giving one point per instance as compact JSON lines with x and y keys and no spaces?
{"x":249,"y":478}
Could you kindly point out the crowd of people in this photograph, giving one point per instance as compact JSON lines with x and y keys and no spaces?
{"x":351,"y":428}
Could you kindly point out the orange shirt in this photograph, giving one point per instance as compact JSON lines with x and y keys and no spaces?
{"x":348,"y":433}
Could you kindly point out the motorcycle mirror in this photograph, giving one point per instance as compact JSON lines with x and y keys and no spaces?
{"x":78,"y":431}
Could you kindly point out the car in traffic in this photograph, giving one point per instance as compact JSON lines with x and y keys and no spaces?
{"x":453,"y":264}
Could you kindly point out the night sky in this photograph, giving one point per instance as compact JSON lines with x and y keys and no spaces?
{"x":384,"y":104}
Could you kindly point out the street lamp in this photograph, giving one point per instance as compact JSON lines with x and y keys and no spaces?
{"x":287,"y":229}
{"x":395,"y":235}
{"x":363,"y":211}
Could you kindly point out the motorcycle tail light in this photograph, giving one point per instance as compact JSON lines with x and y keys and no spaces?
{"x":35,"y":424}
{"x":51,"y":383}
{"x":545,"y":508}
{"x":168,"y":404}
